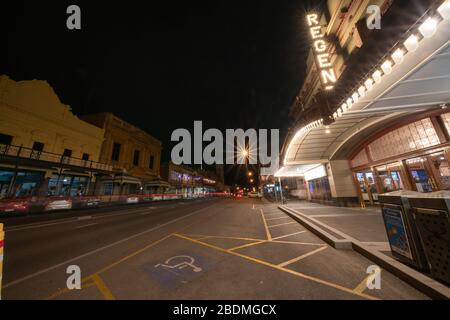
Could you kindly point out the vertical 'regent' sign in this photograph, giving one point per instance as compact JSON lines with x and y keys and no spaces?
{"x":320,"y":49}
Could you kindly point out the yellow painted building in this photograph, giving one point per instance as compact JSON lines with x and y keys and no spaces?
{"x":44,"y":147}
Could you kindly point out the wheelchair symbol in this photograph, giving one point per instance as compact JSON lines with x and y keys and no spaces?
{"x":179,"y":263}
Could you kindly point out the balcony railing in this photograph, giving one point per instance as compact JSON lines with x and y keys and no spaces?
{"x":27,"y":153}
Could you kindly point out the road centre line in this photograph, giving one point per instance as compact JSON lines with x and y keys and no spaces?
{"x":84,"y":218}
{"x":76,"y":219}
{"x":68,"y":220}
{"x":298,"y":274}
{"x":286,"y":263}
{"x":86,"y":225}
{"x":89,"y":253}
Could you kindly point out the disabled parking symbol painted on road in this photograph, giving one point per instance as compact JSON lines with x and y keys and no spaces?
{"x":178,"y":263}
{"x":177,"y":269}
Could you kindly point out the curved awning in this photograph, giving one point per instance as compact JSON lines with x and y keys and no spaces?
{"x":421,"y":82}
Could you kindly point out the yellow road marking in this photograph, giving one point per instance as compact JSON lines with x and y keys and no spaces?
{"x":247,"y":245}
{"x":133,"y":254}
{"x":282,"y":224}
{"x":66,"y":290}
{"x":225,"y":237}
{"x":296,"y":242}
{"x":363,"y":285}
{"x":269,"y":236}
{"x":203,"y":238}
{"x":107,"y":295}
{"x":274,"y":266}
{"x":275,"y":214}
{"x":278,"y":218}
{"x":286,"y":263}
{"x":288,"y":235}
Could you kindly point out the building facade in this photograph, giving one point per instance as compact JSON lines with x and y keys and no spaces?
{"x":133,"y":154}
{"x":44,"y":148}
{"x":190,"y":183}
{"x":382,"y":126}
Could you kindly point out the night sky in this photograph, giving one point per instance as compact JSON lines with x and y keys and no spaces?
{"x":160,"y":66}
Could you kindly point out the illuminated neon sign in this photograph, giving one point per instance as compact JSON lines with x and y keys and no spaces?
{"x":323,"y":58}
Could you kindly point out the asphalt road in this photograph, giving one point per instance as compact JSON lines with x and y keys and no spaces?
{"x":203,"y":249}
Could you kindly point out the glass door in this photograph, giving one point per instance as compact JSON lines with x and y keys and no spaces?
{"x":421,"y":177}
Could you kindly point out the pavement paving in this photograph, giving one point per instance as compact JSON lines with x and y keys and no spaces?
{"x":363,"y":224}
{"x":212,"y":249}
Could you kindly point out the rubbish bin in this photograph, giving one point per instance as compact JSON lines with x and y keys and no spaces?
{"x":401,"y":228}
{"x":431,"y":212}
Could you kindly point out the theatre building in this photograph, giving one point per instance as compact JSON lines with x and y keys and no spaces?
{"x":384,"y":123}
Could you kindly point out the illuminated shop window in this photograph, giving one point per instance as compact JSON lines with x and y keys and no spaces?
{"x":446,"y":118}
{"x":415,"y":136}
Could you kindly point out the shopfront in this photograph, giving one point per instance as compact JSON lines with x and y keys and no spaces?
{"x":21,"y":183}
{"x":414,"y":156}
{"x":319,"y":189}
{"x":68,"y":185}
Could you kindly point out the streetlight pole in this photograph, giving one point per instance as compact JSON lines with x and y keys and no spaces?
{"x":281,"y":191}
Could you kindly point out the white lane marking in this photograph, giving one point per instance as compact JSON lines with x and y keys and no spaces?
{"x":84,"y":218}
{"x":12,"y":283}
{"x":70,"y":220}
{"x":86,"y":225}
{"x":288,"y":235}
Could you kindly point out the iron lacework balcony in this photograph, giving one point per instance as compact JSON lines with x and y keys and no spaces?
{"x":22,"y":155}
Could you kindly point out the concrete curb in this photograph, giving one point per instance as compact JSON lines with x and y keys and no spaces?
{"x":419,"y":281}
{"x":333,"y":241}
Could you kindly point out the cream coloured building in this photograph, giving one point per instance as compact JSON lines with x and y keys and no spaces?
{"x":44,"y":147}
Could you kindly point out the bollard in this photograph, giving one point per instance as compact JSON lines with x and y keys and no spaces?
{"x":2,"y":241}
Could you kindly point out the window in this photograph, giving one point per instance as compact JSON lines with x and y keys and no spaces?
{"x":67,"y":153}
{"x":414,"y":136}
{"x":116,"y":152}
{"x":38,"y":146}
{"x":136,"y":157}
{"x":5,"y":139}
{"x":152,"y":162}
{"x":85,"y":156}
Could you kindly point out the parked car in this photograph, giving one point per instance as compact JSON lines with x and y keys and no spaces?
{"x":58,"y":204}
{"x":14,"y":206}
{"x":254,"y":194}
{"x":133,"y":199}
{"x":86,"y":202}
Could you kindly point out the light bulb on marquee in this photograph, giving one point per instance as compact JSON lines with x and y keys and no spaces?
{"x":377,"y":76}
{"x":444,"y":10}
{"x":412,"y":43}
{"x":369,"y":84}
{"x":398,"y":55}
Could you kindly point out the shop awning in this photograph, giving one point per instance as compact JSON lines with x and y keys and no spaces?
{"x":296,"y":170}
{"x":421,"y":82}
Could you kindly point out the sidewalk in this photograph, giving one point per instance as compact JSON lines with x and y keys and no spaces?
{"x":362,"y":230}
{"x":365,"y":225}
